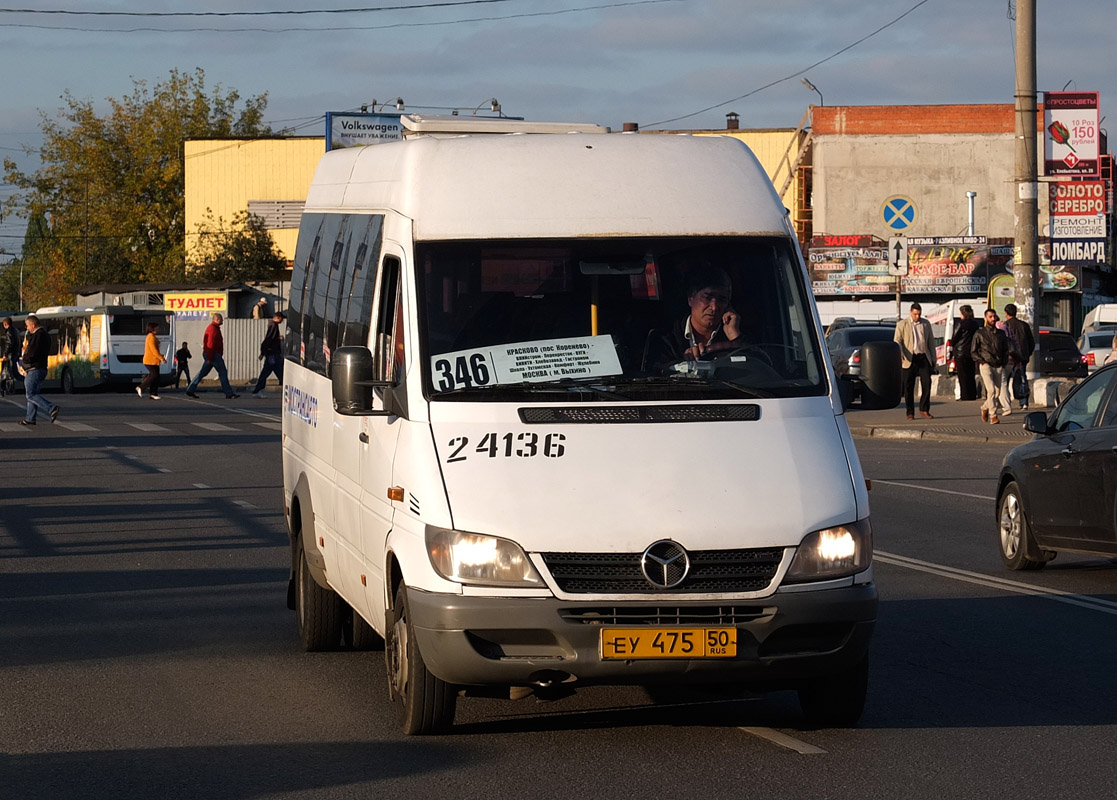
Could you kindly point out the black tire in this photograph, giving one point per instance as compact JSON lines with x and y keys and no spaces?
{"x":1014,"y":534}
{"x":424,"y":703}
{"x":67,"y":382}
{"x":358,"y":634}
{"x":318,"y":611}
{"x":836,"y":701}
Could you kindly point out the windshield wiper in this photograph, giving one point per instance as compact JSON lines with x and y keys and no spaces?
{"x":693,"y":381}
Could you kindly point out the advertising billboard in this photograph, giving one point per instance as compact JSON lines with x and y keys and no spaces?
{"x":1070,"y":133}
{"x":355,"y":130}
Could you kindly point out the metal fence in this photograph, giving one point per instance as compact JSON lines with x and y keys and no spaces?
{"x":242,"y":339}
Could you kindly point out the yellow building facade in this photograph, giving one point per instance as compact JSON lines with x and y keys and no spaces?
{"x":268,"y":177}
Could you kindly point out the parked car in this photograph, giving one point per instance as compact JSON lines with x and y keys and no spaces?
{"x":844,"y":344}
{"x":1096,"y":345}
{"x":1057,"y":356}
{"x":1055,"y":493}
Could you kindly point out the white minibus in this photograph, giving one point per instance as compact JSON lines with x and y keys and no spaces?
{"x":556,"y":413}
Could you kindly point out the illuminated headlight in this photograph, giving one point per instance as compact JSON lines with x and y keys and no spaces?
{"x":833,"y":553}
{"x":477,"y":559}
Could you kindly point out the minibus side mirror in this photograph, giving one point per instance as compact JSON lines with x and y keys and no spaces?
{"x":351,"y":375}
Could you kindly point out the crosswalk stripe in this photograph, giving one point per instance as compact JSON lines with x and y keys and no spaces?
{"x":271,"y":426}
{"x":75,"y":426}
{"x":212,"y":426}
{"x":149,"y":427}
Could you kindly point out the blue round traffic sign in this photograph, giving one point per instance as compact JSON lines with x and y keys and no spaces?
{"x":898,"y":213}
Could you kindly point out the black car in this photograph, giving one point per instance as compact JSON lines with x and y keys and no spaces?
{"x":1056,"y":492}
{"x":844,"y":344}
{"x":1057,"y":355}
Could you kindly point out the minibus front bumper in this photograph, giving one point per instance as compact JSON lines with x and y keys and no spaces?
{"x":781,"y":639}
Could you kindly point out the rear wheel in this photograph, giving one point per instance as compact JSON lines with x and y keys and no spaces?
{"x":67,"y":382}
{"x":424,"y":703}
{"x":318,"y":611}
{"x":1014,"y":533}
{"x":836,"y":701}
{"x":358,"y":634}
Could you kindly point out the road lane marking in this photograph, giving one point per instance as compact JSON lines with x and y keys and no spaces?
{"x":783,"y":740}
{"x":149,"y":427}
{"x":1005,"y":585}
{"x":212,"y":426}
{"x":202,"y":486}
{"x":931,"y":489}
{"x":271,"y":426}
{"x":243,"y":504}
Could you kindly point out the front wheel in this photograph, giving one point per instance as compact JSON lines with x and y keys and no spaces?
{"x":1014,"y":532}
{"x":424,"y":703}
{"x":67,"y":382}
{"x":836,"y":701}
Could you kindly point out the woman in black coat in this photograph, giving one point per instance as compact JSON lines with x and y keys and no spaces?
{"x":963,"y":359}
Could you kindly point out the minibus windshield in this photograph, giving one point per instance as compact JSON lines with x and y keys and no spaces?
{"x":616,"y":319}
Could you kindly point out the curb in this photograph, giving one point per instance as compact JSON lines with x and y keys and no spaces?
{"x":931,"y":435}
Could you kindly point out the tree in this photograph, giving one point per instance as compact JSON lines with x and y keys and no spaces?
{"x":242,"y":250}
{"x":112,"y":187}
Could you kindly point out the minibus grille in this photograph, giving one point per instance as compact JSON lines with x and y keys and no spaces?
{"x":737,"y":412}
{"x":620,"y":573}
{"x":663,"y":615}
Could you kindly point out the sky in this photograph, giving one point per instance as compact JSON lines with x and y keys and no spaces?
{"x":664,"y":64}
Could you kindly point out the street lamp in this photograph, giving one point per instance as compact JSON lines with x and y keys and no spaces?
{"x":493,"y":106}
{"x":813,"y":88}
{"x":398,"y":102}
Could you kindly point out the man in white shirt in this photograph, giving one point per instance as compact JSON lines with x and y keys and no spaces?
{"x":917,"y":357}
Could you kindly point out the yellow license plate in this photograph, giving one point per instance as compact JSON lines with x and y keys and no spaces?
{"x":636,"y":643}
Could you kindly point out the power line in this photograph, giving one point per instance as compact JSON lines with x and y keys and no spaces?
{"x":792,"y":75}
{"x":409,"y":7}
{"x":494,"y":18}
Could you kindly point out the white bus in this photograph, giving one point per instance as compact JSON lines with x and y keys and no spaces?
{"x":103,"y":345}
{"x":499,"y":457}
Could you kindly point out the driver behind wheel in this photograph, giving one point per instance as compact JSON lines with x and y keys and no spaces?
{"x":711,"y":326}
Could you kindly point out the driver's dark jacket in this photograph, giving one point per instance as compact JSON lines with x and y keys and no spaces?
{"x":667,"y":347}
{"x":990,"y":346}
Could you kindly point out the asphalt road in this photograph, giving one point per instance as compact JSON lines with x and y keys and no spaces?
{"x":146,"y":650}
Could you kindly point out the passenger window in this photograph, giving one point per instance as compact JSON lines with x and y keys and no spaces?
{"x":325,"y":277}
{"x":388,"y":352}
{"x":1081,"y":408}
{"x":356,"y":312}
{"x":302,"y":277}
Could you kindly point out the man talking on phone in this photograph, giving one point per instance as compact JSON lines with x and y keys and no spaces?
{"x":712,"y":325}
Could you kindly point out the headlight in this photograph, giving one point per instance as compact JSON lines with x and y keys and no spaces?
{"x":833,"y":553}
{"x":478,"y":559}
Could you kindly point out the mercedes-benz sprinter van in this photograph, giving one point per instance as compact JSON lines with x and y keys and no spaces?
{"x":557,"y":412}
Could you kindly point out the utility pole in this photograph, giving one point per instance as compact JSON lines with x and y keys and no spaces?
{"x":1024,"y":265}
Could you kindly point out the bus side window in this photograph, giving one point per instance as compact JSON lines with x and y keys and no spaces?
{"x":302,"y":277}
{"x":356,"y":312}
{"x":388,"y":350}
{"x":316,"y":294}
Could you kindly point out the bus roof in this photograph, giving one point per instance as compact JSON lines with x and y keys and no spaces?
{"x":555,"y":186}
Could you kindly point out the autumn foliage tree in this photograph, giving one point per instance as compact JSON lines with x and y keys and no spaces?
{"x":240,"y":250}
{"x":111,"y":187}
